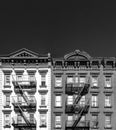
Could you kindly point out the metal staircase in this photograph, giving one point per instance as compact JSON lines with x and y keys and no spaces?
{"x":81,"y":111}
{"x":77,"y":108}
{"x":19,"y":105}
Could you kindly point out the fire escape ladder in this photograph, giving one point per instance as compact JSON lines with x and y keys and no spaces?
{"x":81,"y":93}
{"x":81,"y":113}
{"x":24,"y":95}
{"x":23,"y":115}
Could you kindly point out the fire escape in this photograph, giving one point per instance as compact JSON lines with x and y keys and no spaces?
{"x":28,"y":105}
{"x":76,"y":108}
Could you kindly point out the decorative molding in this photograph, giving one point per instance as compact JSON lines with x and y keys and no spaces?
{"x":77,"y":55}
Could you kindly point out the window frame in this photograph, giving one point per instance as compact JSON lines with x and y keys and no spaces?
{"x":108,"y":84}
{"x":7,"y":81}
{"x":95,"y":120}
{"x":70,"y":100}
{"x":43,"y":80}
{"x":108,"y":101}
{"x":8,"y":124}
{"x":58,"y":81}
{"x":43,"y":120}
{"x":94,"y":81}
{"x":43,"y":99}
{"x":58,"y":123}
{"x":108,"y":122}
{"x":94,"y":101}
{"x":60,"y":101}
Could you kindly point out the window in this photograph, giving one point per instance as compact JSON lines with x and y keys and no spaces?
{"x":31,"y":77}
{"x":31,"y":117}
{"x":94,"y":81}
{"x":58,"y":81}
{"x":82,"y":101}
{"x":82,"y":80}
{"x":76,"y":79}
{"x":19,"y":77}
{"x":94,"y":101}
{"x":94,"y":121}
{"x":108,"y":82}
{"x":43,"y":99}
{"x":69,"y":79}
{"x":43,"y":80}
{"x":107,"y":101}
{"x":82,"y":119}
{"x":58,"y":121}
{"x":58,"y":101}
{"x":70,"y":120}
{"x":69,"y":100}
{"x":19,"y":118}
{"x":43,"y":120}
{"x":7,"y":80}
{"x":108,"y":121}
{"x":6,"y":119}
{"x":19,"y":99}
{"x":7,"y":100}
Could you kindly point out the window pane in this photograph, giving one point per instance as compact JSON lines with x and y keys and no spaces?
{"x":58,"y":101}
{"x":7,"y":119}
{"x":7,"y":79}
{"x":107,"y":121}
{"x":58,"y":81}
{"x":108,"y":101}
{"x":94,"y":121}
{"x":95,"y":81}
{"x":94,"y":101}
{"x":70,"y":100}
{"x":57,"y":121}
{"x":76,"y":79}
{"x":69,"y":79}
{"x":82,"y":101}
{"x":82,"y":79}
{"x":7,"y":100}
{"x":43,"y":100}
{"x":108,"y":82}
{"x":43,"y":119}
{"x":43,"y":80}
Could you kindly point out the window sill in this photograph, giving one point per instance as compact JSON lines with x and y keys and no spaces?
{"x":107,"y":106}
{"x":7,"y":126}
{"x":108,"y":127}
{"x":43,"y":86}
{"x":57,"y":127}
{"x":43,"y":106}
{"x":93,"y":127}
{"x":7,"y":106}
{"x":7,"y":86}
{"x":95,"y":87}
{"x":42,"y":126}
{"x":58,"y":87}
{"x":107,"y":87}
{"x":94,"y":106}
{"x":57,"y":106}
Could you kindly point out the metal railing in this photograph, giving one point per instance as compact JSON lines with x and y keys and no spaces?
{"x":23,"y":79}
{"x":15,"y":120}
{"x":17,"y":100}
{"x":80,"y":124}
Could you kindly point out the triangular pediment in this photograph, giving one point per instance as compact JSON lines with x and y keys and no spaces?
{"x":23,"y":53}
{"x":77,"y":55}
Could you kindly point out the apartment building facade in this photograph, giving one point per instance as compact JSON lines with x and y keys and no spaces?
{"x":75,"y":92}
{"x":83,"y":92}
{"x":25,"y":91}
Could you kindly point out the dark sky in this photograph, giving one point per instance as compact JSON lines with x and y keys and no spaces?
{"x":58,"y":27}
